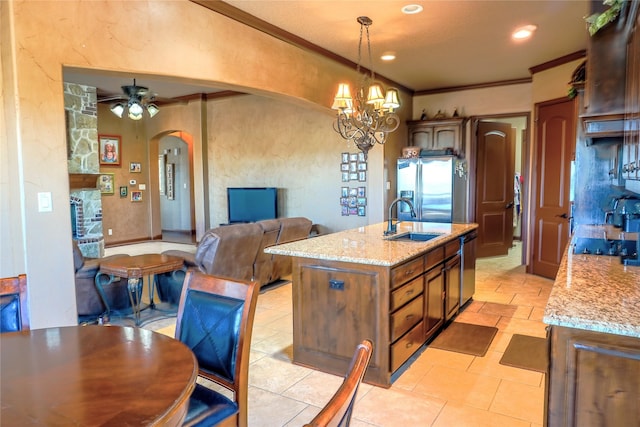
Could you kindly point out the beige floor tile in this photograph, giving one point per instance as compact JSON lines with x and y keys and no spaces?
{"x":500,"y":342}
{"x":536,"y":301}
{"x":456,"y":415}
{"x":396,"y":408}
{"x":522,"y":326}
{"x":507,"y":310}
{"x":267,"y":409}
{"x":519,"y":401}
{"x":493,"y":297}
{"x":489,"y":365}
{"x":436,"y":357}
{"x":275,"y":375}
{"x":537,"y":314}
{"x":458,"y":386}
{"x":478,"y":318}
{"x":315,"y":389}
{"x":473,"y":306}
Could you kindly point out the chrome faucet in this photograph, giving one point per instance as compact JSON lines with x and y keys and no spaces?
{"x":391,"y":227}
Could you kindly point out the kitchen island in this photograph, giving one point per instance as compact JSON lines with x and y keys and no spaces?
{"x":357,"y":284}
{"x":594,"y":316}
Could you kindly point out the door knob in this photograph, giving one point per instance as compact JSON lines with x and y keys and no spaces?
{"x":564,"y":215}
{"x":509,"y":205}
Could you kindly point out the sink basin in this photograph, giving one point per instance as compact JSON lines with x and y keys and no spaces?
{"x":415,"y":236}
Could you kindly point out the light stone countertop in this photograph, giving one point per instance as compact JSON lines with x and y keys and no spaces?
{"x":368,"y":245}
{"x":596,"y":292}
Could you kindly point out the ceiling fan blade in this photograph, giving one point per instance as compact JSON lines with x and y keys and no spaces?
{"x":109,"y":98}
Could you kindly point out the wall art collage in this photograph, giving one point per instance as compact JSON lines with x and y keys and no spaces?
{"x":110,"y":154}
{"x":353,"y":200}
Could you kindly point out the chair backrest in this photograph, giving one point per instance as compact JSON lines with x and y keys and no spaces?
{"x":338,"y":411}
{"x":215,"y":320}
{"x":14,"y":307}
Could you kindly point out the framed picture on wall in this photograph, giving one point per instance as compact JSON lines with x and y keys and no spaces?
{"x":135,"y":167}
{"x":136,"y":196}
{"x":124,"y":191}
{"x":105,"y":183}
{"x":109,"y":153}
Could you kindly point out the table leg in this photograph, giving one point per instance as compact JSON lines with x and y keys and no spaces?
{"x":134,"y":286}
{"x":152,"y":285}
{"x":104,"y":317}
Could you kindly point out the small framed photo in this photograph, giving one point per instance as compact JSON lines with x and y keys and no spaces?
{"x":135,"y":167}
{"x":106,"y":183}
{"x":353,"y":166}
{"x":109,"y":146}
{"x":362,"y":166}
{"x":136,"y":196}
{"x":353,"y":192}
{"x":344,"y":167}
{"x":124,"y":191}
{"x":345,"y":176}
{"x":361,"y":157}
{"x":353,"y":176}
{"x":353,"y":157}
{"x":353,"y":202}
{"x":345,"y":191}
{"x":362,"y":201}
{"x":345,"y":210}
{"x":362,"y":211}
{"x":362,"y":176}
{"x":344,"y":201}
{"x":353,"y":211}
{"x":362,"y":192}
{"x":345,"y":157}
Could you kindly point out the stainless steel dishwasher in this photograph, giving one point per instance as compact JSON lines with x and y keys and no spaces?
{"x":468,"y":266}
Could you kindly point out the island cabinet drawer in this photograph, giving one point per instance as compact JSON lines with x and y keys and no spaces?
{"x":406,"y":293}
{"x":433,"y":258}
{"x":406,"y":346}
{"x":406,"y":317}
{"x":407,"y":271}
{"x":451,"y":248}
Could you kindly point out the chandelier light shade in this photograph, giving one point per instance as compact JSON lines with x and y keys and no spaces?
{"x":366,"y":120}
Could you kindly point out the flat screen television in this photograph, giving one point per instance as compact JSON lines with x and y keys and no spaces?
{"x":252,"y":204}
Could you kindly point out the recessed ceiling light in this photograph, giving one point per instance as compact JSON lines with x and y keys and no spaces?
{"x":411,"y":9}
{"x":388,"y":56}
{"x":524,"y":32}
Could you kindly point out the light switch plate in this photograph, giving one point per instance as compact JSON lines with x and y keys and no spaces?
{"x":142,"y":187}
{"x":44,"y":202}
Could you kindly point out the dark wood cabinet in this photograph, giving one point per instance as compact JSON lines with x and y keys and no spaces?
{"x":434,"y":302}
{"x":451,"y":271}
{"x":438,"y":135}
{"x":594,"y":379}
{"x":631,"y":143}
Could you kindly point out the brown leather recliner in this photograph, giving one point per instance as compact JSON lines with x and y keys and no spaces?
{"x":89,"y":303}
{"x":291,"y":230}
{"x":263,"y":265}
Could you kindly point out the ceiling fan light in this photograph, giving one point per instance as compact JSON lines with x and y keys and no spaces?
{"x":135,"y":108}
{"x":118,"y":109}
{"x":152,"y":109}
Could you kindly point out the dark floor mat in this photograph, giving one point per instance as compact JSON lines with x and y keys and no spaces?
{"x":527,"y":352}
{"x":465,"y":338}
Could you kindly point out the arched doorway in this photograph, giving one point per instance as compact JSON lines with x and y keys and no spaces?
{"x":173,"y":211}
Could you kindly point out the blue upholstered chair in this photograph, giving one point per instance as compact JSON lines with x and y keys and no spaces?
{"x":14,"y":312}
{"x":215,"y":320}
{"x":337,"y":412}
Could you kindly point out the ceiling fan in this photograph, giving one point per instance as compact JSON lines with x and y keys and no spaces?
{"x":135,"y":101}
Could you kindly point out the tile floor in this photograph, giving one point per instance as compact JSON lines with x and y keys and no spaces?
{"x":440,"y":388}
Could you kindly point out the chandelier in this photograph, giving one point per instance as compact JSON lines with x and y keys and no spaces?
{"x":365,"y":120}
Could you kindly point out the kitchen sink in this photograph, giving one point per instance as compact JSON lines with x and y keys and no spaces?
{"x":415,"y":236}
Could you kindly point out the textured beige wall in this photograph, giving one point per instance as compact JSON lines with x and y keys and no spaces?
{"x":40,"y":38}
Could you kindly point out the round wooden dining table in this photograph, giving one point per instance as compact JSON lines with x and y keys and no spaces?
{"x":94,"y":375}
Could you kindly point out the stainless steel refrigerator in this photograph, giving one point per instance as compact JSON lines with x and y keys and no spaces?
{"x":436,"y":187}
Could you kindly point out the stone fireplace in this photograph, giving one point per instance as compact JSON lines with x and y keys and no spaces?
{"x":81,"y":109}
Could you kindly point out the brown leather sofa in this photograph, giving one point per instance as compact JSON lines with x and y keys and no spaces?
{"x":89,"y":303}
{"x":237,"y":251}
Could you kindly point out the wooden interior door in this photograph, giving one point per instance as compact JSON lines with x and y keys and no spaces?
{"x":494,"y":188}
{"x":555,"y":150}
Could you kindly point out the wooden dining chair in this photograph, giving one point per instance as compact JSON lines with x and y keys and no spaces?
{"x":14,"y":308}
{"x":215,"y":320}
{"x":337,"y":412}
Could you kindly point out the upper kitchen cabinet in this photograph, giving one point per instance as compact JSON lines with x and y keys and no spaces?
{"x":631,"y":144}
{"x":446,"y":135}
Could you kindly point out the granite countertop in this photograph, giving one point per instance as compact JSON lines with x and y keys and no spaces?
{"x":368,"y":245}
{"x":596,"y":292}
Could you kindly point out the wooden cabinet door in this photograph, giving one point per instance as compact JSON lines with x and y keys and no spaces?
{"x":421,"y":136}
{"x":434,"y":304}
{"x":594,"y":379}
{"x":452,"y":287}
{"x":447,"y":136}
